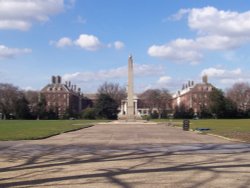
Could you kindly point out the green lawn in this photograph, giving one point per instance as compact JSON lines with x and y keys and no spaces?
{"x":38,"y":129}
{"x":231,"y":128}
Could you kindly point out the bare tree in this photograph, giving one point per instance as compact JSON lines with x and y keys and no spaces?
{"x":156,"y":98}
{"x":9,"y":96}
{"x":114,"y":90}
{"x":239,"y":93}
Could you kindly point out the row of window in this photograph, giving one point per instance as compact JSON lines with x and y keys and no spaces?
{"x":53,"y":96}
{"x":54,"y":89}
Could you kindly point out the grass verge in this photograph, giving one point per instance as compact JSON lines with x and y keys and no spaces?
{"x":238,"y":129}
{"x":39,"y":129}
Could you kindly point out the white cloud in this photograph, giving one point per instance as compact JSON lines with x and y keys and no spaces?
{"x":88,"y":42}
{"x":120,"y":72}
{"x":226,"y":77}
{"x":164,"y":80}
{"x":6,"y":52}
{"x":209,"y":20}
{"x":175,"y":54}
{"x":16,"y":14}
{"x":118,"y":45}
{"x":179,"y":14}
{"x":63,"y":42}
{"x":221,"y":73}
{"x":28,"y":88}
{"x":216,"y":30}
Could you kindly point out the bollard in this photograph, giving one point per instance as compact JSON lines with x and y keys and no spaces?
{"x":185,"y":125}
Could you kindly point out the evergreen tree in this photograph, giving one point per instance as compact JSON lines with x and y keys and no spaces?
{"x":106,"y":107}
{"x":22,"y":109}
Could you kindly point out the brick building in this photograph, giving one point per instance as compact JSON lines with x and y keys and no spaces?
{"x":62,"y":98}
{"x":193,"y":96}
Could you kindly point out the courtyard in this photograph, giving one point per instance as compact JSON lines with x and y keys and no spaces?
{"x":125,"y":155}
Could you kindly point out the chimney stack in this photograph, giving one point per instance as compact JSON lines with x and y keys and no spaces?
{"x":205,"y":79}
{"x":58,"y":79}
{"x":53,"y":79}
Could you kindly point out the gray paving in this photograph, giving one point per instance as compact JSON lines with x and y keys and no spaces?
{"x":132,"y":155}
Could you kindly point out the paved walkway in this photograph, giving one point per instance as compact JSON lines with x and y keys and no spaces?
{"x":125,"y":156}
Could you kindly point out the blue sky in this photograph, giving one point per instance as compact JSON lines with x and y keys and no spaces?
{"x":89,"y":41}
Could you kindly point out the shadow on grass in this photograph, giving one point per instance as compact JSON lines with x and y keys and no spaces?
{"x":36,"y":165}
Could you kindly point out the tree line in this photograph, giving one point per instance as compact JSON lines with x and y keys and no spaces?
{"x":233,"y":103}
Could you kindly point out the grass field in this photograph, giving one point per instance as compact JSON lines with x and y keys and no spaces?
{"x":38,"y":129}
{"x":232,"y":128}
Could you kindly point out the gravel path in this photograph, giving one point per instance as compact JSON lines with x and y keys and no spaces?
{"x":128,"y":155}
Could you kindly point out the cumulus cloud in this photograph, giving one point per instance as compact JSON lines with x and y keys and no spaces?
{"x":216,"y":30}
{"x":6,"y":52}
{"x":88,"y":42}
{"x":180,"y":50}
{"x":62,"y":42}
{"x":209,"y":20}
{"x":221,"y":73}
{"x":16,"y":14}
{"x":226,"y":77}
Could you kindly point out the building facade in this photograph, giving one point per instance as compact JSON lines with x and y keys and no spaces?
{"x":193,"y":96}
{"x":62,"y":98}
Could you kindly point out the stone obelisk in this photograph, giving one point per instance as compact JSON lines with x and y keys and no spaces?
{"x":131,"y":106}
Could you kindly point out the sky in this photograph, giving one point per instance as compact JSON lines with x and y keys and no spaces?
{"x":89,"y":41}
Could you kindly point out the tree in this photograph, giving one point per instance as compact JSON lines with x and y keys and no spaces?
{"x":9,"y":95}
{"x":33,"y":99}
{"x":41,"y":107}
{"x":106,"y":107}
{"x":22,"y":110}
{"x":156,"y":98}
{"x":182,"y":111}
{"x":89,"y":113}
{"x":239,"y":93}
{"x":114,"y":90}
{"x":217,"y":103}
{"x":221,"y":106}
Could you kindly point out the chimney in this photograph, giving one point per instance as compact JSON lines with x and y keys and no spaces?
{"x":69,"y":84}
{"x":74,"y":88}
{"x":192,"y":83}
{"x":189,"y":83}
{"x":58,"y":79}
{"x":79,"y":90}
{"x":53,"y":79}
{"x":205,"y":79}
